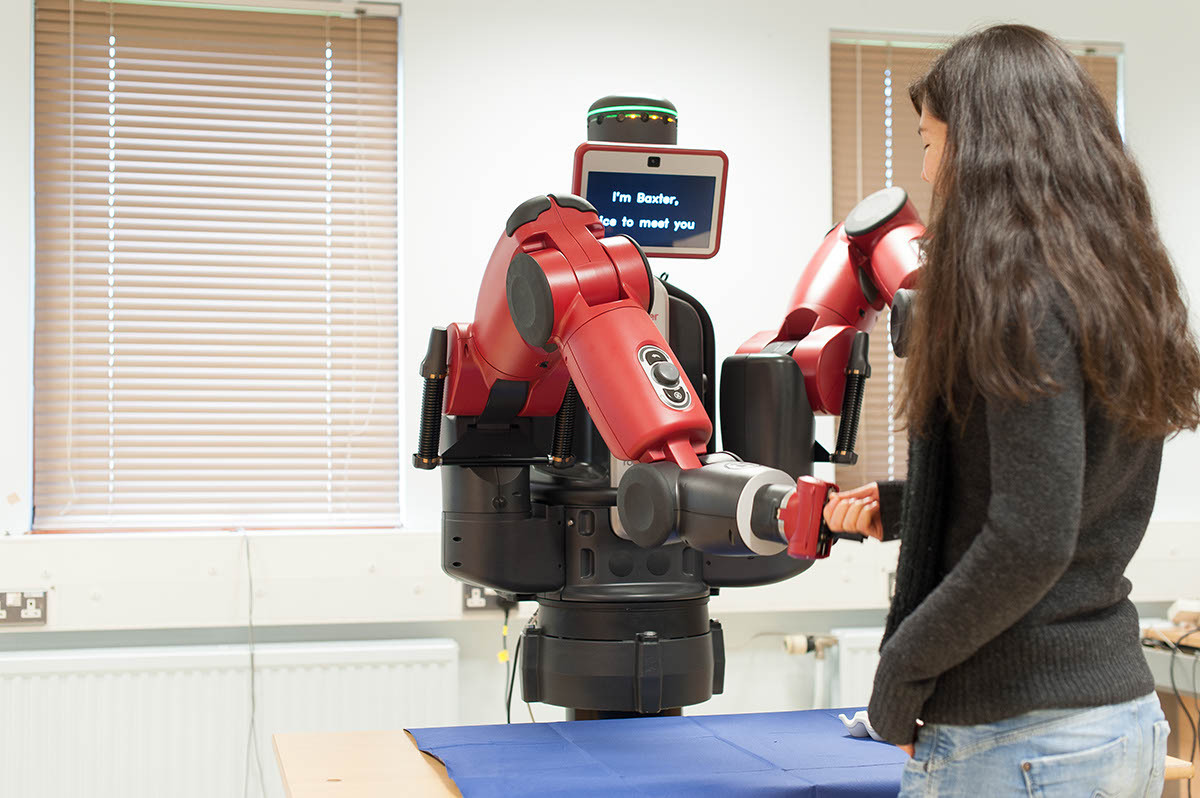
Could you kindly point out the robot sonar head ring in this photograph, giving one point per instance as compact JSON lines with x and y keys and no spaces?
{"x":633,"y":119}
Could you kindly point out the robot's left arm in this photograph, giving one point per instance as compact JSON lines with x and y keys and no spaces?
{"x":869,"y":262}
{"x":739,"y":508}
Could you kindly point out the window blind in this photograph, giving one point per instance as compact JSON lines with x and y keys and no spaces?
{"x":875,"y":145}
{"x":216,"y":282}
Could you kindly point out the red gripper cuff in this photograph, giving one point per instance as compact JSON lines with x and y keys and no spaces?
{"x":802,"y":521}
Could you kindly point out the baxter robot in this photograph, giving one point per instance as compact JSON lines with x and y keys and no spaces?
{"x":619,"y":517}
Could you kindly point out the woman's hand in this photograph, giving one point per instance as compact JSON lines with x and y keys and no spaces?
{"x":855,"y":511}
{"x":910,"y":748}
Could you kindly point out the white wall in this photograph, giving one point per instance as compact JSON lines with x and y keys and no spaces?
{"x":494,"y":101}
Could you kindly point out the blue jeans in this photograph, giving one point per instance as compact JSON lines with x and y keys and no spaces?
{"x":1114,"y":751}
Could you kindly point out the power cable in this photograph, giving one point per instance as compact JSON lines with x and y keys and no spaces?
{"x":509,"y":692}
{"x":1179,"y":698}
{"x":1174,"y":646}
{"x":503,"y":657}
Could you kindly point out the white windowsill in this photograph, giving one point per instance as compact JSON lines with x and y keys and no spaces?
{"x":145,"y":580}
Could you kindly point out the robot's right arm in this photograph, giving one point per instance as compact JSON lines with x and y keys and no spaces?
{"x":561,"y":302}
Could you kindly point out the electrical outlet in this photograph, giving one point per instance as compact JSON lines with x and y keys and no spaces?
{"x":23,"y":608}
{"x":480,"y":598}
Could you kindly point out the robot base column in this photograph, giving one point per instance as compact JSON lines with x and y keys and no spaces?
{"x":634,"y":658}
{"x":598,"y":714}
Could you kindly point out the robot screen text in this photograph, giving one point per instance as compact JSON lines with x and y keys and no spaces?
{"x":658,"y":210}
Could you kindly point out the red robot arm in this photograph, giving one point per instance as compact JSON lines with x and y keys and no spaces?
{"x":857,"y":270}
{"x":560,"y":302}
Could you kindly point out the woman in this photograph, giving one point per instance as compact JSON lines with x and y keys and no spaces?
{"x":1049,"y":359}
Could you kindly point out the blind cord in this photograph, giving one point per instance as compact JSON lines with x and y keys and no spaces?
{"x":357,"y":429}
{"x":891,"y":356}
{"x":251,"y":734}
{"x":112,"y":268}
{"x":70,"y":255}
{"x":328,"y":63}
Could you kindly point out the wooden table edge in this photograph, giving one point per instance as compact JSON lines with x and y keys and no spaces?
{"x":1178,"y":769}
{"x":380,"y":764}
{"x":439,"y":767}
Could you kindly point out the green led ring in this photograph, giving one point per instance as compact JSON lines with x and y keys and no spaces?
{"x":624,"y":108}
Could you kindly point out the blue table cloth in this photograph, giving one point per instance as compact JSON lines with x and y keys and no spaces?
{"x":806,"y":754}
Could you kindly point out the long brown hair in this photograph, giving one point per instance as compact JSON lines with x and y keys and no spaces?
{"x":1035,"y":192}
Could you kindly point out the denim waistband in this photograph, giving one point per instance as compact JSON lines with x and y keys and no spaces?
{"x":944,"y":741}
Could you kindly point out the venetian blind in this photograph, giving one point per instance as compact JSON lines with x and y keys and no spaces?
{"x":876,"y":145}
{"x":216,"y":306}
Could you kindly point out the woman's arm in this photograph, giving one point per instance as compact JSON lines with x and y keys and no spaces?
{"x":1027,"y":541}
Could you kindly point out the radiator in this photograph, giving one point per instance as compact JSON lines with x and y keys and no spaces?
{"x":857,"y":657}
{"x":172,"y":722}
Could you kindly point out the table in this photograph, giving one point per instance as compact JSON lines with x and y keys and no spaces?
{"x":368,"y":764}
{"x":800,"y":754}
{"x":386,"y":764}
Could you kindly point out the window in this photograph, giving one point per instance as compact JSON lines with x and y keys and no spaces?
{"x":216,"y":282}
{"x":875,"y":145}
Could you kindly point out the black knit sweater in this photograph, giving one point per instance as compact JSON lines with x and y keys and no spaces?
{"x":1015,"y":532}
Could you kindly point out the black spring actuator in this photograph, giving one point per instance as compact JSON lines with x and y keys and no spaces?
{"x":562,"y":453}
{"x":857,"y":371}
{"x":433,"y":369}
